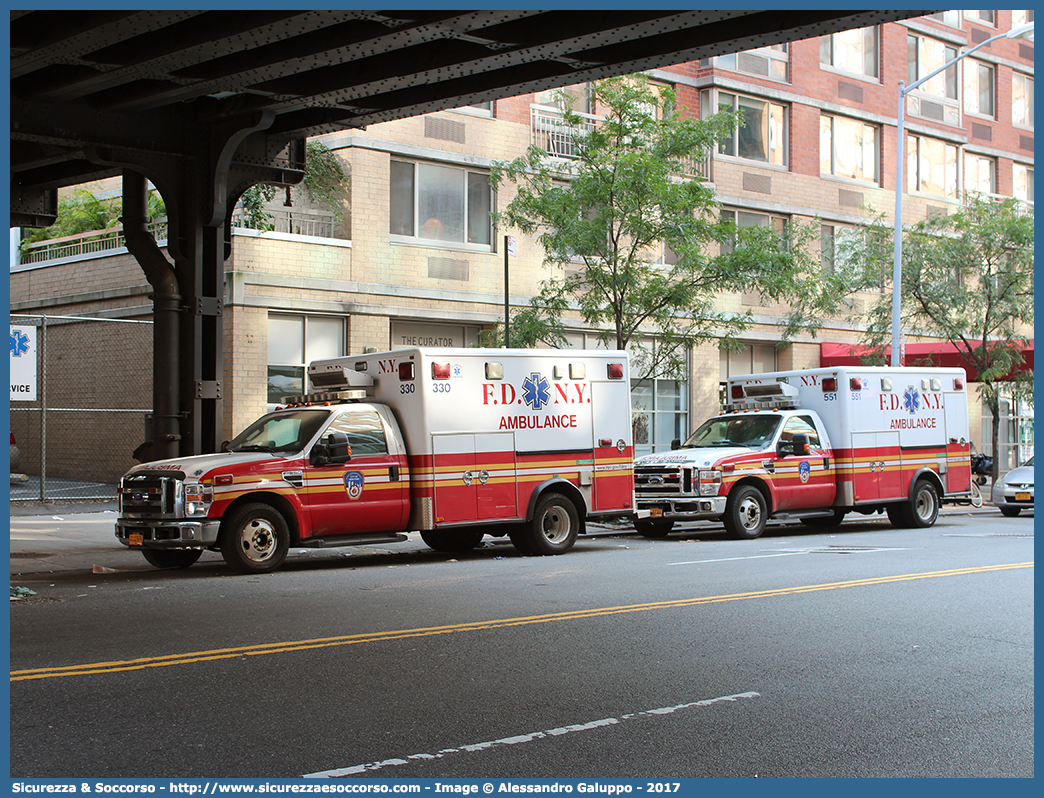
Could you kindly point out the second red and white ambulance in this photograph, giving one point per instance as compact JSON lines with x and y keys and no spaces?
{"x":815,"y":445}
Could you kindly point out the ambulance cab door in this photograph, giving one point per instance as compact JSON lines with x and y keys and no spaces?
{"x":803,"y":480}
{"x":368,"y":492}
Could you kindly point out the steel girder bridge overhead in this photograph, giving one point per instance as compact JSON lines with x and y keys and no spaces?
{"x":205,"y":104}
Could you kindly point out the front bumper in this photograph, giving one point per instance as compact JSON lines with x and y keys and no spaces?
{"x":167,"y":534}
{"x":690,"y":508}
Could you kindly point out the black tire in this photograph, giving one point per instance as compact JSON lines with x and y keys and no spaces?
{"x":653,"y":529}
{"x":554,"y":527}
{"x":897,"y":515}
{"x":171,"y":558}
{"x":519,"y":536}
{"x":826,"y":520}
{"x":254,"y":539}
{"x":923,"y":509}
{"x":1010,"y":512}
{"x":452,"y":540}
{"x":746,"y":513}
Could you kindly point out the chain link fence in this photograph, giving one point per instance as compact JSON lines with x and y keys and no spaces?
{"x":93,"y":398}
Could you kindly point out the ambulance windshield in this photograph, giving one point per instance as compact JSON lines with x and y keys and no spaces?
{"x":752,"y":431}
{"x":288,"y":431}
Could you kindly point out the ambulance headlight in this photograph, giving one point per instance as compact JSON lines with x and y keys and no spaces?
{"x":198,"y":499}
{"x":710,"y":483}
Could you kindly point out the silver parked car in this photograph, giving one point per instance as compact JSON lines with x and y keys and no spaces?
{"x":1014,"y":491}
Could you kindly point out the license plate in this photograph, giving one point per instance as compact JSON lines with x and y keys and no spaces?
{"x":136,"y":539}
{"x":1023,"y":497}
{"x":656,"y":512}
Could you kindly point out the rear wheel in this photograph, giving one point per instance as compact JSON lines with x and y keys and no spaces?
{"x":923,"y":508}
{"x":653,"y":529}
{"x":746,"y":513}
{"x":554,"y":527}
{"x":976,"y":495}
{"x":452,"y":540}
{"x":255,"y":539}
{"x":171,"y":558}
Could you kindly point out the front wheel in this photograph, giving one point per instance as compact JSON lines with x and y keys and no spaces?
{"x":746,"y":513}
{"x":452,"y":540}
{"x":554,"y":527}
{"x":171,"y":558}
{"x":255,"y":539}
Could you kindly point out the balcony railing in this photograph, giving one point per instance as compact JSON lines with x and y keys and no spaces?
{"x":551,"y":133}
{"x":306,"y":223}
{"x":90,"y":243}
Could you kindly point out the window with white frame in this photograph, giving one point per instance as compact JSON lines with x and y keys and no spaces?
{"x":1022,"y":182}
{"x":752,"y":219}
{"x":849,"y":148}
{"x":1021,"y":100}
{"x":770,"y":62}
{"x":294,"y":341}
{"x":951,"y":18}
{"x":439,"y":203}
{"x":762,"y":135}
{"x":1020,"y":18}
{"x":935,"y":99}
{"x":577,"y":98}
{"x":980,"y":173}
{"x":854,"y":51}
{"x":985,"y":17}
{"x":931,"y":167}
{"x":978,"y":88}
{"x":836,"y":256}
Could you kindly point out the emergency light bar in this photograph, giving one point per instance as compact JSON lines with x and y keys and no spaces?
{"x":335,"y":374}
{"x":762,"y":396}
{"x":324,"y":396}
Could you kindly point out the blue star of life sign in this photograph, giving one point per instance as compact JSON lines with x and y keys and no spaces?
{"x":911,"y":400}
{"x":536,"y":391}
{"x":19,"y":343}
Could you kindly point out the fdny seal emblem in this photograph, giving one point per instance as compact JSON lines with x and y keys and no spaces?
{"x":353,"y":483}
{"x":804,"y":470}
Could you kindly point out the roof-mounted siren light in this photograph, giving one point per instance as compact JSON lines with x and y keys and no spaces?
{"x":331,"y":374}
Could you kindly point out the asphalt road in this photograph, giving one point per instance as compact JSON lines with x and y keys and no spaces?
{"x":863,"y":652}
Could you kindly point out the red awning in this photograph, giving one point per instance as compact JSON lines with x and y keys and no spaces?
{"x":930,"y":354}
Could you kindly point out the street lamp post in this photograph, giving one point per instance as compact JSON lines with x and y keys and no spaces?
{"x":897,"y":251}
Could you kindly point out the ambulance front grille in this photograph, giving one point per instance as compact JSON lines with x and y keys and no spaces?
{"x":651,"y":482}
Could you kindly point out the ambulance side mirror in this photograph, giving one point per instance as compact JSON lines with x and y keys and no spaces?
{"x":675,"y":444}
{"x":334,"y":448}
{"x":799,"y":446}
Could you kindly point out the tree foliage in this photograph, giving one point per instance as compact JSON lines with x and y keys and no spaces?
{"x":83,"y":212}
{"x":635,"y":240}
{"x":968,"y":279}
{"x":324,"y":180}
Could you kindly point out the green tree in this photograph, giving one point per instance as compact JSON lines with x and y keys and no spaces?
{"x":324,"y":180}
{"x":643,"y":247}
{"x":968,"y":279}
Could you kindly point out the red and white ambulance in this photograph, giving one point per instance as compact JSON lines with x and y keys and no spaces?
{"x":453,"y":443}
{"x":815,"y":445}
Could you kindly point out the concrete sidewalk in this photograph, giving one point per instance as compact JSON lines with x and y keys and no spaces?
{"x":79,"y":537}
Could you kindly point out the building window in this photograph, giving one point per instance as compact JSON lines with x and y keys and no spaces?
{"x":440,"y":203}
{"x":577,"y":98}
{"x":978,"y":88}
{"x":852,"y":51}
{"x":1021,"y":100}
{"x":935,"y":99}
{"x":1020,"y":18}
{"x":951,"y":18}
{"x":762,"y":135}
{"x":751,"y":219}
{"x":931,"y":167}
{"x":659,"y":414}
{"x":985,"y":17}
{"x":750,"y":359}
{"x":849,"y":148}
{"x":980,"y":174}
{"x":837,"y":256}
{"x":293,"y":343}
{"x":1022,"y":182}
{"x":770,"y":62}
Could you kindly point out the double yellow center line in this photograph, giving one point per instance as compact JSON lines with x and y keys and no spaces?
{"x":142,"y":663}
